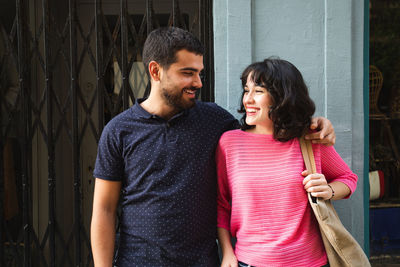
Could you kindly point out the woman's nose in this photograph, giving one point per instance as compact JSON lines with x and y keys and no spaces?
{"x":249,"y":98}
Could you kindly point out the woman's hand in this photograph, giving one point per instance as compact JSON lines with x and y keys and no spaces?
{"x":325,"y":134}
{"x":229,"y":260}
{"x":317,"y":185}
{"x":228,"y":255}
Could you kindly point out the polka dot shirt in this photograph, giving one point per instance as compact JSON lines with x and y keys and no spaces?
{"x":168,"y":176}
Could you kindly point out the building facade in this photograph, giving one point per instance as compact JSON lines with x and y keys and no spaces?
{"x":325,"y":41}
{"x":68,"y":67}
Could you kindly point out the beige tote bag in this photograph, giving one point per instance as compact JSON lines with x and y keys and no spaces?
{"x":342,"y":249}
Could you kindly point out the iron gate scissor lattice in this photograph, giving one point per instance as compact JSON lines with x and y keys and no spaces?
{"x":67,"y":67}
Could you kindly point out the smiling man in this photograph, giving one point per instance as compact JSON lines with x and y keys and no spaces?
{"x":160,"y":155}
{"x":158,"y":158}
{"x":175,"y":86}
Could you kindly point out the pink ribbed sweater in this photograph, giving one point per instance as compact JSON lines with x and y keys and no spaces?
{"x":262,"y":201}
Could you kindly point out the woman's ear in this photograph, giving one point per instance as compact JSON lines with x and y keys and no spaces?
{"x":154,"y":70}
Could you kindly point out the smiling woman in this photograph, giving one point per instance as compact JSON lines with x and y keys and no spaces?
{"x":262,"y":185}
{"x":277,"y":89}
{"x":257,"y":102}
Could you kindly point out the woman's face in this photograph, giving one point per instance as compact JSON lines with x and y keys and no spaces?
{"x":257,"y":101}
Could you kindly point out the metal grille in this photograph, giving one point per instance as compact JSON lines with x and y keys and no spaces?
{"x":68,"y":67}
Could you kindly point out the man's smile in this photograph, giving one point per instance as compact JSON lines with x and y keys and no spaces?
{"x":191,"y":92}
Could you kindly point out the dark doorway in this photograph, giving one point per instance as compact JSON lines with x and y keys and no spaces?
{"x":67,"y":67}
{"x":384,"y":121}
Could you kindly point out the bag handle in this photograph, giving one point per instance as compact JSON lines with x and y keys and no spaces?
{"x":308,"y":155}
{"x":309,"y":160}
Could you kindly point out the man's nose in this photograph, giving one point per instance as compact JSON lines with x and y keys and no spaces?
{"x":197,"y":82}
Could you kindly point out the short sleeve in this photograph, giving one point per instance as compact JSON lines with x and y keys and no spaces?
{"x":109,"y":161}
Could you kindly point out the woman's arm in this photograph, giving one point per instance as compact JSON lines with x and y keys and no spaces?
{"x":337,"y":180}
{"x":228,"y":255}
{"x":224,"y":209}
{"x":224,"y":196}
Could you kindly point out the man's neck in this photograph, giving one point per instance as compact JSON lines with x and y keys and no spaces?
{"x":157,"y":106}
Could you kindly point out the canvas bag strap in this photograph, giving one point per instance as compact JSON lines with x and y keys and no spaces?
{"x":308,"y":155}
{"x":309,"y":160}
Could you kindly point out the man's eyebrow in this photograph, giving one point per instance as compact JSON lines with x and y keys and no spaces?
{"x":190,"y":69}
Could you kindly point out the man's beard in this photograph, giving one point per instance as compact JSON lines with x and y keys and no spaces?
{"x":176,"y":100}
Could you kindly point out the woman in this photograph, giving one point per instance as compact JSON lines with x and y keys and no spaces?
{"x":262,"y":195}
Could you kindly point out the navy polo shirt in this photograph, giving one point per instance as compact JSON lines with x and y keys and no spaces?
{"x":168,"y":176}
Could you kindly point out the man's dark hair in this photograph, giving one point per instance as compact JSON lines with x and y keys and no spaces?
{"x":292,"y":107}
{"x":162,"y":45}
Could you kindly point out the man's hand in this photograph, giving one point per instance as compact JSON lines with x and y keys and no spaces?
{"x":325,"y":133}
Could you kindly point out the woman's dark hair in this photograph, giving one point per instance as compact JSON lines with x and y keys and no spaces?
{"x":292,"y":107}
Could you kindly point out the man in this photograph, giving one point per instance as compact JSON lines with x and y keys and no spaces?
{"x":159,"y":155}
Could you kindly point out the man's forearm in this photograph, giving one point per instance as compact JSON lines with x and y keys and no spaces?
{"x":103,"y":238}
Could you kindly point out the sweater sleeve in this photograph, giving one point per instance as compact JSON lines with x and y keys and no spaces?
{"x":335,"y":169}
{"x":224,"y":194}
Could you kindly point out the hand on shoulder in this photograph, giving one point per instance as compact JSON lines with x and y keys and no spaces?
{"x":324,"y":132}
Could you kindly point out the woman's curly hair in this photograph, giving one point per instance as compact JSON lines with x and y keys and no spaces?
{"x":292,"y":107}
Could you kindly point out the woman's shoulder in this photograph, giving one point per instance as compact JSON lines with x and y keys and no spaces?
{"x":232,"y":134}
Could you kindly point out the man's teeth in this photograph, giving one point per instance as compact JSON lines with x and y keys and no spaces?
{"x":190,"y":91}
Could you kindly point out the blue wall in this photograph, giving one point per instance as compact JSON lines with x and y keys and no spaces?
{"x":324,"y":39}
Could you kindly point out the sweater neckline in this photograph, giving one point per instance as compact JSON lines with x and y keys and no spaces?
{"x":266,"y":136}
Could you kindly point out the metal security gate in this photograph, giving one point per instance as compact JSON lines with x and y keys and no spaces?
{"x":66,"y":68}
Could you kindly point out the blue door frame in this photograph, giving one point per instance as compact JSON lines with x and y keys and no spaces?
{"x":366,"y":126}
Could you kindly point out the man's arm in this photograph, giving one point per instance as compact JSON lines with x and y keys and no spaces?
{"x":105,"y":201}
{"x":325,"y":133}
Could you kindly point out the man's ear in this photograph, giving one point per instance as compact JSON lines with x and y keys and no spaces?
{"x":154,"y":70}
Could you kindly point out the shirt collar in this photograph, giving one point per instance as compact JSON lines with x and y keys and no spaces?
{"x":142,"y":113}
{"x":139,"y":111}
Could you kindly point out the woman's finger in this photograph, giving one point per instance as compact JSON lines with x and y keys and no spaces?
{"x":323,"y":195}
{"x":312,"y":177}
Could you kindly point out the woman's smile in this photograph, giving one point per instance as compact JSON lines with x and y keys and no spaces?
{"x":257,"y":101}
